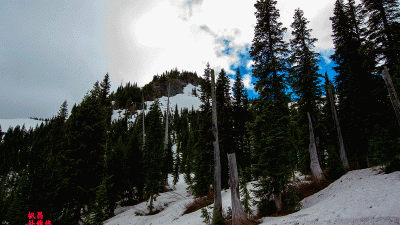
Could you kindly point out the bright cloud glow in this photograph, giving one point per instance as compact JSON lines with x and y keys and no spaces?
{"x":247,"y":82}
{"x":188,"y":34}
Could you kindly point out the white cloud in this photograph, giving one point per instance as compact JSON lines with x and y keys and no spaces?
{"x":249,"y":64}
{"x":247,"y":82}
{"x":326,"y":54}
{"x":149,"y":37}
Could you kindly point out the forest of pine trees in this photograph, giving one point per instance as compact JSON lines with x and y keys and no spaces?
{"x":103,"y":163}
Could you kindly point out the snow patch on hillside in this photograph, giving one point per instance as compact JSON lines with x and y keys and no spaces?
{"x":360,"y":197}
{"x":365,"y":196}
{"x":184,"y":100}
{"x":29,"y":123}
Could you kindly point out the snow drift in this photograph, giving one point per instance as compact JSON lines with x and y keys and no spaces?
{"x":365,"y":196}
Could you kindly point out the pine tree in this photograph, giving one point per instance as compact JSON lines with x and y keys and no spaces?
{"x":305,"y":83}
{"x":153,"y":154}
{"x":240,"y":135}
{"x":84,"y":156}
{"x":358,"y":88}
{"x":384,"y":30}
{"x":269,"y":131}
{"x":204,"y":156}
{"x":224,"y":114}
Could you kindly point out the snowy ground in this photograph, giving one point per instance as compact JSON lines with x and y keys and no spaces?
{"x":360,"y":197}
{"x":185,"y":100}
{"x":7,"y":123}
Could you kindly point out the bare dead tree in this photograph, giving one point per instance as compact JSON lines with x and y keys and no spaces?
{"x":238,"y":214}
{"x":392,"y":93}
{"x":342,"y":151}
{"x":143,"y":121}
{"x":166,"y":138}
{"x":315,"y":167}
{"x":217,"y":214}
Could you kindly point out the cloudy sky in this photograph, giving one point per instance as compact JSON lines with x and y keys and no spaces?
{"x":51,"y":51}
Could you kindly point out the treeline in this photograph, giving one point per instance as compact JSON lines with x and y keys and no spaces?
{"x":102,"y":163}
{"x":366,"y":38}
{"x":130,"y":96}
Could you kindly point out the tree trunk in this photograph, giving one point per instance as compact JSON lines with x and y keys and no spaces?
{"x":238,"y":214}
{"x":217,"y":214}
{"x":342,"y":151}
{"x":315,"y":167}
{"x":392,"y":93}
{"x":77,"y":215}
{"x":143,"y":121}
{"x":165,"y":175}
{"x":278,"y":202}
{"x":151,"y":204}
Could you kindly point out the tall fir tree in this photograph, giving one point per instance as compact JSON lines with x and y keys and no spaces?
{"x":305,"y":84}
{"x":84,"y":155}
{"x":224,"y":117}
{"x":204,"y":156}
{"x":153,"y":154}
{"x":384,"y":30}
{"x":269,"y":131}
{"x":359,"y":89}
{"x":240,"y":112}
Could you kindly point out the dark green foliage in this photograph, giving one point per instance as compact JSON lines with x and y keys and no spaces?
{"x":153,"y":153}
{"x":245,"y":194}
{"x":240,"y":135}
{"x":130,"y":96}
{"x":100,"y":204}
{"x":204,"y":153}
{"x":305,"y":84}
{"x":269,"y":51}
{"x":272,"y":144}
{"x":124,"y":96}
{"x":383,"y":30}
{"x":225,"y":124}
{"x":168,"y":161}
{"x":18,"y":211}
{"x":362,"y":95}
{"x":291,"y":199}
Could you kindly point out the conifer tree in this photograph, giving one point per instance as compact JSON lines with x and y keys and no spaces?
{"x":269,"y":131}
{"x":153,"y":154}
{"x":359,"y":89}
{"x":84,"y":154}
{"x":203,"y":163}
{"x":304,"y":82}
{"x":241,"y":116}
{"x":224,"y":114}
{"x":384,"y":30}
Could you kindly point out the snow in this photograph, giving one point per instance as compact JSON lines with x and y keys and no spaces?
{"x":184,"y":100}
{"x":6,"y":123}
{"x":365,"y":196}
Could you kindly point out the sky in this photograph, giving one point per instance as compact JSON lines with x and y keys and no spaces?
{"x":52,"y":51}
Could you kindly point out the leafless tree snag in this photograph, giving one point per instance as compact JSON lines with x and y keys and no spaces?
{"x":315,"y":167}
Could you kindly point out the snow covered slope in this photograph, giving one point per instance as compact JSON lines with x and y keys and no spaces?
{"x":6,"y":123}
{"x":360,"y":197}
{"x":185,"y":100}
{"x":365,"y":196}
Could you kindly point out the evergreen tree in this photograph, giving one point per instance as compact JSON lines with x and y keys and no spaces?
{"x":204,"y":156}
{"x":305,"y":83}
{"x":153,"y":154}
{"x":384,"y":30}
{"x":359,"y":90}
{"x":269,"y":131}
{"x":240,"y":118}
{"x":224,"y":117}
{"x":85,"y":154}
